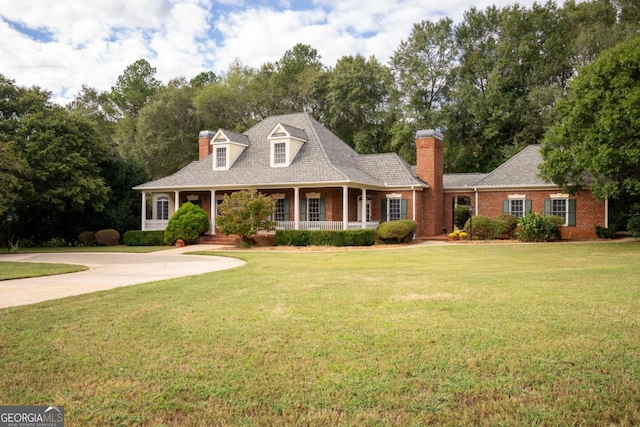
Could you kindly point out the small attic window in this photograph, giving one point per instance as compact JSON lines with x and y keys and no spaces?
{"x":280,"y":153}
{"x":285,"y":143}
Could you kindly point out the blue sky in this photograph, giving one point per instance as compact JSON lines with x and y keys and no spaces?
{"x":61,"y":45}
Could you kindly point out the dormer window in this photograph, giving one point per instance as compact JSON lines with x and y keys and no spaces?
{"x":285,"y":142}
{"x":221,"y":157}
{"x":279,"y":153}
{"x":227,"y":147}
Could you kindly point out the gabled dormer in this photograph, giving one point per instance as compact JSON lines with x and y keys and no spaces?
{"x":227,"y":147}
{"x":284,"y":144}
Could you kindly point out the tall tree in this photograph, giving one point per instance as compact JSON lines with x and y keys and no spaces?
{"x":292,"y":82}
{"x":421,"y":67}
{"x":134,"y":88}
{"x":167,"y":129}
{"x":600,"y":129}
{"x":358,"y":103}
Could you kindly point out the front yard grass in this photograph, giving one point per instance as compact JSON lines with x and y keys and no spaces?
{"x":508,"y":335}
{"x":21,"y":270}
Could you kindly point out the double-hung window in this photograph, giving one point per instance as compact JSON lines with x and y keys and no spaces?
{"x":221,"y":157}
{"x":561,"y":206}
{"x":394,"y":207}
{"x":162,"y":208}
{"x":313,"y":206}
{"x":516,"y":207}
{"x":279,"y":153}
{"x":280,"y":213}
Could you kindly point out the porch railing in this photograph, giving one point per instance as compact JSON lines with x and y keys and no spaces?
{"x":323,"y":225}
{"x":156,"y":224}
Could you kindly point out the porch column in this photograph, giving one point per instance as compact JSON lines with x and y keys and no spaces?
{"x":176,"y":201}
{"x":213,"y":212}
{"x":414,"y":205}
{"x":345,"y":207}
{"x":144,"y":212}
{"x":296,"y":208}
{"x":364,"y":208}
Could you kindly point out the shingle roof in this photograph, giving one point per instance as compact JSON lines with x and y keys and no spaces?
{"x":323,"y":158}
{"x":519,"y":171}
{"x":461,"y":180}
{"x":236,"y":137}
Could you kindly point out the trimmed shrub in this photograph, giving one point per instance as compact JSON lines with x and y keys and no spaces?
{"x":143,"y":238}
{"x":604,"y":232}
{"x":108,"y":237}
{"x":536,"y":228}
{"x":325,"y":238}
{"x":460,"y":215}
{"x":87,"y":238}
{"x":400,"y":231}
{"x":505,"y":226}
{"x":483,"y":227}
{"x":188,"y":223}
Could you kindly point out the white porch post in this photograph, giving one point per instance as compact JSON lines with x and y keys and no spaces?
{"x":414,"y":205}
{"x":176,"y":201}
{"x":364,"y":208}
{"x":213,"y":212}
{"x":144,"y":212}
{"x":296,"y":208}
{"x":345,"y":207}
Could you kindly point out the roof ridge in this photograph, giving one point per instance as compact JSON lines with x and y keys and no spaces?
{"x":321,"y":143}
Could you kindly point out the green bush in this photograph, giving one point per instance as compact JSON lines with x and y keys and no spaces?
{"x":400,"y":231}
{"x":483,"y":227}
{"x":633,"y":223}
{"x":55,"y":242}
{"x":87,"y":238}
{"x":461,"y":215}
{"x":107,"y":237}
{"x":143,"y":238}
{"x":188,"y":223}
{"x":505,"y":225}
{"x":604,"y":232}
{"x":325,"y":238}
{"x":536,"y":228}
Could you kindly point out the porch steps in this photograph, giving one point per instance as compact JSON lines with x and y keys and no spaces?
{"x":220,"y":239}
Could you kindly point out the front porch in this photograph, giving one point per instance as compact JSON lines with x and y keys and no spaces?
{"x":297,"y":208}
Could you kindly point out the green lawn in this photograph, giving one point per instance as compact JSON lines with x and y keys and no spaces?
{"x":496,"y":335}
{"x":21,"y":270}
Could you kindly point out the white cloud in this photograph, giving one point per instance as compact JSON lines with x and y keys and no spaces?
{"x":93,"y":42}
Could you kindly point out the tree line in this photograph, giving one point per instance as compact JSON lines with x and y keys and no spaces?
{"x":490,"y":83}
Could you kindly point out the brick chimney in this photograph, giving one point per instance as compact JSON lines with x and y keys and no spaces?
{"x":429,"y":168}
{"x":204,"y":144}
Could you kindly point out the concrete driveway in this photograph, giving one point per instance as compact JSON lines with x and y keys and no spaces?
{"x":106,"y":271}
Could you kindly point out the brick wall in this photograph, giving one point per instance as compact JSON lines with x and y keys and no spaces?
{"x":589,"y":211}
{"x":430,"y":168}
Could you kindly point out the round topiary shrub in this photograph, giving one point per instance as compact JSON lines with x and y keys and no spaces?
{"x":483,"y":227}
{"x":87,"y":238}
{"x":188,"y":224}
{"x":400,"y":231}
{"x":108,"y":237}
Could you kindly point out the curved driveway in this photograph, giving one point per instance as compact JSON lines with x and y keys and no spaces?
{"x":106,"y":271}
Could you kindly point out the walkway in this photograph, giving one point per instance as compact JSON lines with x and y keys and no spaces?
{"x":106,"y":271}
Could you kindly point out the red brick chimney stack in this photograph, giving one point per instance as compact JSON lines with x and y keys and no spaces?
{"x":430,"y":168}
{"x":204,"y":144}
